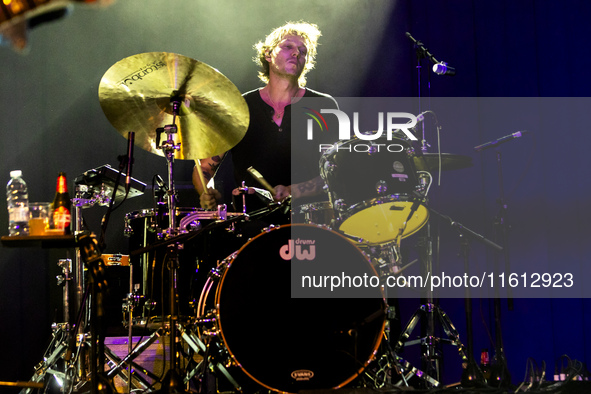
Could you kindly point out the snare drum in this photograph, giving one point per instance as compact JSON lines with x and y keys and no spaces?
{"x":291,"y":344}
{"x":372,"y":186}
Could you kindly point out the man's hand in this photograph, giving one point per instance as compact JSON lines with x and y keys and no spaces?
{"x":281,"y":192}
{"x":209,"y":199}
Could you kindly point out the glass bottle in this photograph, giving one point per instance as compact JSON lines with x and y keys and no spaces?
{"x":61,"y":206}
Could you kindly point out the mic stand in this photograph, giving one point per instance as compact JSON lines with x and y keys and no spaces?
{"x":472,"y":375}
{"x":421,"y":53}
{"x":499,"y":370}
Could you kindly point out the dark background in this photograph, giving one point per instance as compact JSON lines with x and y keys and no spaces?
{"x":51,"y":121}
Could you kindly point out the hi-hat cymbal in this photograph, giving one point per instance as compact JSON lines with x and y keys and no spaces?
{"x":136,"y":94}
{"x":449,"y":162}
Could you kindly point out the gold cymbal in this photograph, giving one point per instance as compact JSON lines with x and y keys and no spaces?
{"x":135,"y":95}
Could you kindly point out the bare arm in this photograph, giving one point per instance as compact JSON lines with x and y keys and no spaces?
{"x":313,"y":187}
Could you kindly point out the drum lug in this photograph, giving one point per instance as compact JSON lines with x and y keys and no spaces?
{"x":381,"y":187}
{"x":214,"y":273}
{"x":269,"y":229}
{"x":374,"y":148}
{"x":328,"y":168}
{"x":340,"y":205}
{"x":193,"y":226}
{"x":127,"y":230}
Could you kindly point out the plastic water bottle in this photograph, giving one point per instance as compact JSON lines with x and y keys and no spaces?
{"x":17,"y":198}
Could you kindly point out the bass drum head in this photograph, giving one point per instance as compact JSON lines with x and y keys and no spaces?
{"x":381,"y":220}
{"x":286,"y":344}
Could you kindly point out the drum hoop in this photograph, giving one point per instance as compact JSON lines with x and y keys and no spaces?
{"x":360,"y":206}
{"x":142,"y":213}
{"x":377,"y":340}
{"x":147,"y":212}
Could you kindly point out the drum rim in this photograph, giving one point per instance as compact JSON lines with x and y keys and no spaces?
{"x":316,"y":204}
{"x":148,"y":212}
{"x":377,"y":341}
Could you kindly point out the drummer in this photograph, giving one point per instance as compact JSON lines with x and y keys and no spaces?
{"x":285,"y":56}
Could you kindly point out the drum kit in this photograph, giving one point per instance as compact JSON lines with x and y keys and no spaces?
{"x":243,"y":329}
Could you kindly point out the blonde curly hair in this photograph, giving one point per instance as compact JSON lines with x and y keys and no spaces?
{"x":307,"y":31}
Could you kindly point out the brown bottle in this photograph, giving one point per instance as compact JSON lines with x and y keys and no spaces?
{"x":61,"y":206}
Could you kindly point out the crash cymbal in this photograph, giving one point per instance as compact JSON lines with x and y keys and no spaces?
{"x":449,"y":162}
{"x":135,"y":95}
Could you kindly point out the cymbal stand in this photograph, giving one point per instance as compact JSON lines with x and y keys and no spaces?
{"x":171,"y":381}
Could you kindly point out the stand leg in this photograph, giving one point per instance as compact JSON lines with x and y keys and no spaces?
{"x":435,"y":314}
{"x":381,"y":374}
{"x":56,"y":350}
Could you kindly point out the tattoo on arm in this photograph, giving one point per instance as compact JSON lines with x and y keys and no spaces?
{"x":311,"y":187}
{"x":211,"y":166}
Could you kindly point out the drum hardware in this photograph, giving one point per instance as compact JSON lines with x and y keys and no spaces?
{"x":244,"y":190}
{"x":169,"y":147}
{"x":68,"y":347}
{"x":138,"y":382}
{"x":102,"y":186}
{"x":373,"y":206}
{"x":215,"y":359}
{"x":380,"y":372}
{"x":114,"y":95}
{"x":97,"y":186}
{"x":58,"y":345}
{"x":318,"y":213}
{"x":139,"y":348}
{"x":472,"y":375}
{"x":431,"y":312}
{"x":134,"y":301}
{"x":500,"y":373}
{"x":427,"y":313}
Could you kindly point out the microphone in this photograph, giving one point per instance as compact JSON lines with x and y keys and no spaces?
{"x":130,"y":142}
{"x":500,"y":141}
{"x":442,"y":68}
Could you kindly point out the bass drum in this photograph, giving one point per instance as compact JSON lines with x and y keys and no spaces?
{"x":291,"y":344}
